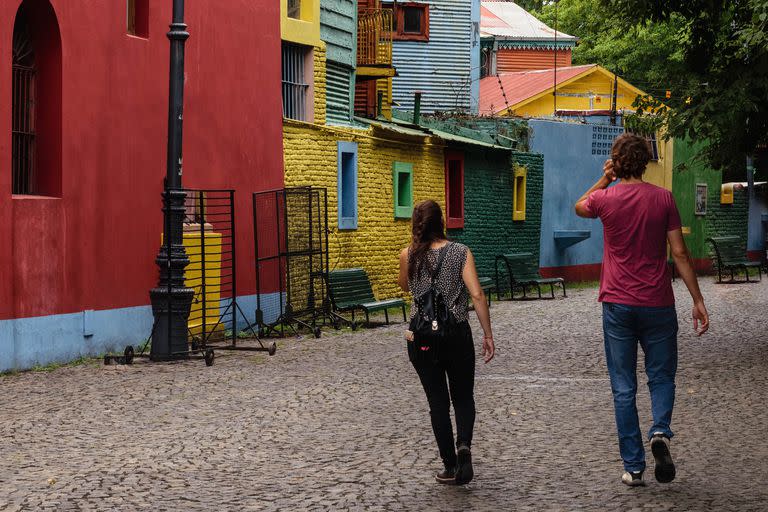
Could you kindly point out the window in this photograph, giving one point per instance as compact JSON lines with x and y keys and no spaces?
{"x":138,"y":18}
{"x":347,"y":185}
{"x":402,"y":181}
{"x":454,"y":189}
{"x":518,"y":192}
{"x":410,"y":21}
{"x":294,"y":9}
{"x":651,"y":138}
{"x":297,"y":101}
{"x":36,"y":102}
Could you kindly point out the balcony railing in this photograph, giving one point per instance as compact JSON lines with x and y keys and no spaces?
{"x":374,"y":38}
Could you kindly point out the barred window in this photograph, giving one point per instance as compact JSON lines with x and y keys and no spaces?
{"x":23,"y":69}
{"x":296,"y":60}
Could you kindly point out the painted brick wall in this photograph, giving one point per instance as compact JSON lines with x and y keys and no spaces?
{"x":319,"y":93}
{"x":310,"y":154}
{"x":727,"y":219}
{"x":488,"y":226}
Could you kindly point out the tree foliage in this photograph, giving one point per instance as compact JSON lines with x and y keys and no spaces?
{"x":643,"y":54}
{"x":720,"y":91}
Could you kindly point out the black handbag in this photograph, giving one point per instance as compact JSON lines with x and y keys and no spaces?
{"x":433,"y":320}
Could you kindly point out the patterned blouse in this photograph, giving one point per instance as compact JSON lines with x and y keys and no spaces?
{"x":450,"y":281}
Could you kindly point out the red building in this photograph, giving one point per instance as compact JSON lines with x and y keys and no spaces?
{"x":83,"y":130}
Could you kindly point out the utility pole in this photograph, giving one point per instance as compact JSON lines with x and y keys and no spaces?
{"x":171,"y":299}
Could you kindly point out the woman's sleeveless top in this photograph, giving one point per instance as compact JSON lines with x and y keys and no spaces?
{"x":449,"y":282}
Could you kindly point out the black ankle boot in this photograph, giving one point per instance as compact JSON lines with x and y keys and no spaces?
{"x":447,"y":476}
{"x":464,"y":472}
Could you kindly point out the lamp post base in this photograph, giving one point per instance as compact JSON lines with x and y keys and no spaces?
{"x":169,"y":333}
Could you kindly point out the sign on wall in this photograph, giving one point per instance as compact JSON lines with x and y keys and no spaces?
{"x":700,"y":205}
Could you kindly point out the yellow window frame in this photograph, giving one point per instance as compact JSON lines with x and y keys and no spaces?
{"x":519,"y":189}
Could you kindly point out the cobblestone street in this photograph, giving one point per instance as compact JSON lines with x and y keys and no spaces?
{"x":341,"y":423}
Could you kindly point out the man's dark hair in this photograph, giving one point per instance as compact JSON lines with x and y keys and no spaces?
{"x":630,"y":154}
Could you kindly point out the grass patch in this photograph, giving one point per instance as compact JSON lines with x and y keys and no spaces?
{"x":80,"y":361}
{"x":581,"y":285}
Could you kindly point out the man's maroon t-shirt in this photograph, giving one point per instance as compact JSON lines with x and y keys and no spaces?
{"x":636,"y":218}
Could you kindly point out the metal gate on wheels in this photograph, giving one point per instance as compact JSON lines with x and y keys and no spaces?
{"x":216,"y":320}
{"x":291,"y":243}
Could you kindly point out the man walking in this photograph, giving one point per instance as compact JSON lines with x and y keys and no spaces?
{"x":638,"y":303}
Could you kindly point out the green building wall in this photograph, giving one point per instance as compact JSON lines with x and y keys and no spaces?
{"x":488,"y":226}
{"x":720,"y":219}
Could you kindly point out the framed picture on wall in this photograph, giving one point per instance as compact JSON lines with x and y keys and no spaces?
{"x":700,"y":205}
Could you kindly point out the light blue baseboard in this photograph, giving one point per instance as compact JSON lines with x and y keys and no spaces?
{"x":28,"y":342}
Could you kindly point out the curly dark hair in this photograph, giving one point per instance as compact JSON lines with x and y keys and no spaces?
{"x":630,"y":154}
{"x":427,"y":226}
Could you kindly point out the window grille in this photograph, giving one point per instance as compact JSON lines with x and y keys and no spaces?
{"x":295,"y":86}
{"x":412,"y":20}
{"x":23,"y":72}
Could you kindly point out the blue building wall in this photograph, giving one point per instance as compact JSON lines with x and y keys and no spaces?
{"x":573,"y":159}
{"x":758,"y":218}
{"x":445,"y":68}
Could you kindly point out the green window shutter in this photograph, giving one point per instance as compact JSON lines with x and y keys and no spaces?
{"x":338,"y":97}
{"x":402,"y":184}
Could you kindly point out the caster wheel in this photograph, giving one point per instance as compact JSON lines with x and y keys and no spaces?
{"x":336,"y":325}
{"x":107,"y":360}
{"x":272,"y":348}
{"x":209,"y":355}
{"x":353,"y":326}
{"x":194,"y":346}
{"x":128,"y":354}
{"x":316,"y":332}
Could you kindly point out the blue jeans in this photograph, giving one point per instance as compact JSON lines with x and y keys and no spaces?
{"x":656,"y":330}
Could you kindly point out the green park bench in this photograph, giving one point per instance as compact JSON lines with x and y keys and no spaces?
{"x":729,"y":254}
{"x":521,"y":271}
{"x":350,"y":290}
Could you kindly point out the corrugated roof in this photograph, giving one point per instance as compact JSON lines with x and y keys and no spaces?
{"x":507,"y":20}
{"x":400,"y":127}
{"x":522,"y":85}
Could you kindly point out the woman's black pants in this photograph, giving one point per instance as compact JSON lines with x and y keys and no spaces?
{"x":456,"y":364}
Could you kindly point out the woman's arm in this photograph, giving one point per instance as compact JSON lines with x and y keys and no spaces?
{"x":402,"y":278}
{"x":469,"y":274}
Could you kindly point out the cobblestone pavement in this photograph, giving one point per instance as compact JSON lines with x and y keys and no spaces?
{"x":341,"y":423}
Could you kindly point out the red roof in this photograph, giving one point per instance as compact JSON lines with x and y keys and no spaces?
{"x":521,"y":85}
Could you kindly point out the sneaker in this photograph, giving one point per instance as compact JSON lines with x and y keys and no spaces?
{"x":665,"y":468}
{"x":633,"y":478}
{"x":446,"y":476}
{"x":464,"y":472}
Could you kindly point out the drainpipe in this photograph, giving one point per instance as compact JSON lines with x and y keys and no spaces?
{"x":417,"y":108}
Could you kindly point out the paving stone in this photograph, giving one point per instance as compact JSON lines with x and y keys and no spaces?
{"x":341,"y":423}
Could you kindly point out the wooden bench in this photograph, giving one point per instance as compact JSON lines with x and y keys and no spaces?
{"x":350,"y":289}
{"x":521,"y":270}
{"x":729,"y":253}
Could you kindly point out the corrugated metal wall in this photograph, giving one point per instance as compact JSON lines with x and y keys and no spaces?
{"x":440,"y":68}
{"x":338,"y":28}
{"x":510,"y":60}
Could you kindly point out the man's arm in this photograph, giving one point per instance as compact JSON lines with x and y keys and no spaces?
{"x":606,"y":179}
{"x":685,"y":268}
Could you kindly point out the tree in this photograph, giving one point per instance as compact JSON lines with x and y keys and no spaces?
{"x":720,"y":95}
{"x":645,"y":55}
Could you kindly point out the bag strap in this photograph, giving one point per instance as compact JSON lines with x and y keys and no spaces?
{"x":440,"y":258}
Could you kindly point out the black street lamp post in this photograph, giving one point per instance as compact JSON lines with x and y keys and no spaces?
{"x":171,"y":299}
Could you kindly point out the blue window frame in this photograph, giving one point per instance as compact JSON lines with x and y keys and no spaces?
{"x":347,"y":184}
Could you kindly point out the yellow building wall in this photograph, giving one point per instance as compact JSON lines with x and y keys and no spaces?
{"x":319,"y":71}
{"x":660,"y":173}
{"x":310,"y":153}
{"x":301,"y":31}
{"x":592,"y":84}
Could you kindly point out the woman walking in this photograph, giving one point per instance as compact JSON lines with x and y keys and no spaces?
{"x":448,"y":372}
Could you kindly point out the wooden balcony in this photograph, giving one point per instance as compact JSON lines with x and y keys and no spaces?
{"x":374,"y":44}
